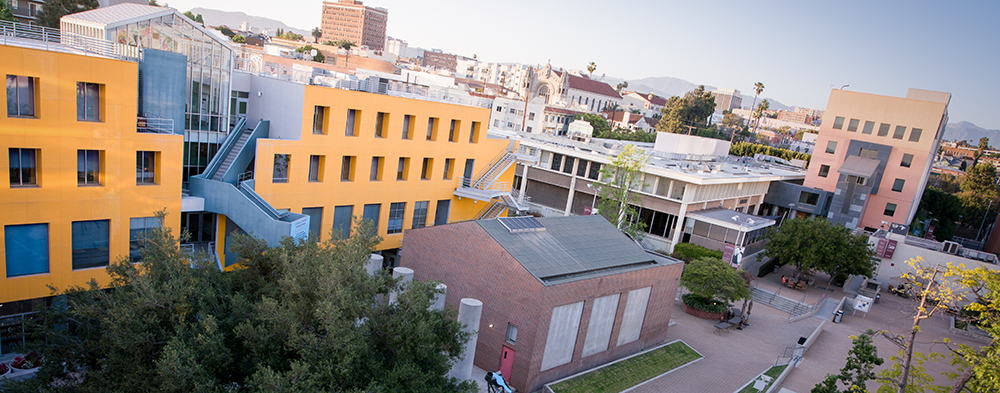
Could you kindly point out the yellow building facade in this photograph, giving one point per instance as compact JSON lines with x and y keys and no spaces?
{"x":81,"y":174}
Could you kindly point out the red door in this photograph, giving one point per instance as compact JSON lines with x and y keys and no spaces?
{"x":506,"y":362}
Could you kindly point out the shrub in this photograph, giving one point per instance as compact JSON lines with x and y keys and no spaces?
{"x":703,"y":303}
{"x":689,"y":252}
{"x":769,"y":267}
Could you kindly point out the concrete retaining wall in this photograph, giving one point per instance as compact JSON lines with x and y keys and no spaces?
{"x":776,"y":386}
{"x":978,"y":337}
{"x":701,"y":314}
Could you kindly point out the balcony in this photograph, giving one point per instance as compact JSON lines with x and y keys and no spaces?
{"x":153,"y":124}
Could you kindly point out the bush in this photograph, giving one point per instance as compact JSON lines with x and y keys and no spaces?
{"x":703,"y":303}
{"x":769,"y":267}
{"x":689,"y":252}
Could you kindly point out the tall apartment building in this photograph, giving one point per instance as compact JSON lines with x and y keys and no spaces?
{"x":727,"y":99}
{"x":351,"y":20}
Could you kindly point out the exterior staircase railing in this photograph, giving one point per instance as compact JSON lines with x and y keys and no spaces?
{"x":227,"y":146}
{"x":260,"y":202}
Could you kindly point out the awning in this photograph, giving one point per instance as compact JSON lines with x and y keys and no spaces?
{"x":731,"y":219}
{"x":859,"y":166}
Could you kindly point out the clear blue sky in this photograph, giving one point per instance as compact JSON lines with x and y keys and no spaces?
{"x":796,"y":48}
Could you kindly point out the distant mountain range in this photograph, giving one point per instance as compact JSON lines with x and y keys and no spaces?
{"x":965,"y":131}
{"x":666,"y":86}
{"x":234,"y":19}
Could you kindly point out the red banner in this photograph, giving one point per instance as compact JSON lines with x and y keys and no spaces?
{"x":727,"y":254}
{"x":880,"y":248}
{"x":890,"y":249}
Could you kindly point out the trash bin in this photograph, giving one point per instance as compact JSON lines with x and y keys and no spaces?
{"x":837,"y":316}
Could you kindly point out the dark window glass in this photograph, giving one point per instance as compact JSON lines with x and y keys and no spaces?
{"x":26,"y":248}
{"x":883,"y":129}
{"x":371,"y":212}
{"x":432,"y":128}
{"x":90,"y":244}
{"x":900,"y":131}
{"x":890,"y":209}
{"x":396,"y":212}
{"x":88,"y":101}
{"x":145,"y":167}
{"x":452,"y":131}
{"x":831,"y":147}
{"x":376,"y":172}
{"x":23,"y":167}
{"x":352,"y":123}
{"x":568,"y":166}
{"x":595,"y":171}
{"x":852,"y":126}
{"x":838,"y":123}
{"x":137,"y":235}
{"x":581,"y":168}
{"x":401,"y":168}
{"x":907,"y":160}
{"x":869,"y":127}
{"x":809,"y":198}
{"x":824,"y":170}
{"x":448,"y":164}
{"x":342,"y":216}
{"x":20,"y":96}
{"x":381,"y":121}
{"x":319,"y":114}
{"x":88,"y":167}
{"x":315,"y":164}
{"x":407,"y":127}
{"x":315,"y":221}
{"x":425,"y":169}
{"x":441,"y":214}
{"x":347,"y":169}
{"x":420,"y":214}
{"x":898,"y":185}
{"x":281,"y":164}
{"x":915,"y":134}
{"x":556,"y":161}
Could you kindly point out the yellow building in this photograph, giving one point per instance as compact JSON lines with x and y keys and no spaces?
{"x":82,"y":173}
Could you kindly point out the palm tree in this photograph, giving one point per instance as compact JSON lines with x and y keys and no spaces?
{"x":764,"y":105}
{"x":591,"y":68}
{"x":757,"y":88}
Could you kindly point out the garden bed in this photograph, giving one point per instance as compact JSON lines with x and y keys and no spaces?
{"x":629,"y":372}
{"x":773,"y":372}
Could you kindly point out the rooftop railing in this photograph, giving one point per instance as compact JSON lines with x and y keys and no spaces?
{"x":20,"y":34}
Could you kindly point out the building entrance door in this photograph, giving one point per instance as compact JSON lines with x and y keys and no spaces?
{"x":506,"y":362}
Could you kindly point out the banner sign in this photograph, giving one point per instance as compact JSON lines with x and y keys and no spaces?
{"x":890,"y":249}
{"x":727,"y":253}
{"x":863,"y":303}
{"x":880,"y":248}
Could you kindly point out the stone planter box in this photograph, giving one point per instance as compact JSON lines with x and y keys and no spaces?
{"x":715,"y":316}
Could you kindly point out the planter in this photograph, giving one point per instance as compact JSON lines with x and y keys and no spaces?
{"x":4,"y":370}
{"x":715,"y":316}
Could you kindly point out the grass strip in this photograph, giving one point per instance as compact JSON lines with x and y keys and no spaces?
{"x":630,"y":372}
{"x":772,"y":372}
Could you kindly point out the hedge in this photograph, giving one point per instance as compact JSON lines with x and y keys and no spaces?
{"x":704,"y":304}
{"x":689,"y":252}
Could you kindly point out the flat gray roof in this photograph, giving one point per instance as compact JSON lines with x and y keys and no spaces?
{"x":573,"y":248}
{"x":731,"y":219}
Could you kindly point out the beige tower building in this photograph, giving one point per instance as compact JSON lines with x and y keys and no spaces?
{"x":351,"y":20}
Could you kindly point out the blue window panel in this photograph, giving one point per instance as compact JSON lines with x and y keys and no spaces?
{"x":342,"y":216}
{"x":371,"y":213}
{"x":91,"y":244}
{"x":27,"y":249}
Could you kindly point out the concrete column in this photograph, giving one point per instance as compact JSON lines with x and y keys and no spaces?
{"x":469,"y":313}
{"x":524,"y":185}
{"x":407,"y":275}
{"x":374,"y":264}
{"x":438,"y":303}
{"x":678,"y":227}
{"x":572,"y":187}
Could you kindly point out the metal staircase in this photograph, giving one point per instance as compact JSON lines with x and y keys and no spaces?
{"x":233,"y":153}
{"x":485,"y":186}
{"x":492,"y":210}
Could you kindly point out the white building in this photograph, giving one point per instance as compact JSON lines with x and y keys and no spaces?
{"x":648,"y":104}
{"x":569,"y":89}
{"x":509,"y":115}
{"x":396,"y":46}
{"x":727,"y":99}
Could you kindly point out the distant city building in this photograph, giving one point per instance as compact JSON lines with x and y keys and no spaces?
{"x":396,"y":46}
{"x":26,"y":11}
{"x":351,"y":20}
{"x":795,"y":117}
{"x":808,"y":112}
{"x":570,"y":89}
{"x":438,"y":60}
{"x":727,"y":99}
{"x":509,"y":115}
{"x":648,"y":104}
{"x":108,"y":3}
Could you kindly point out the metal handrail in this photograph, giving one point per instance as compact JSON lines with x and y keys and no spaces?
{"x":260,"y":202}
{"x":245,"y":176}
{"x":224,"y":150}
{"x":17,"y":30}
{"x":153,"y":124}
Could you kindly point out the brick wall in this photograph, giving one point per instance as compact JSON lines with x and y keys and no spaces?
{"x":465,"y":257}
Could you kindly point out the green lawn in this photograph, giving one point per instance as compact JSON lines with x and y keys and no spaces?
{"x":773,"y":372}
{"x":627,"y":373}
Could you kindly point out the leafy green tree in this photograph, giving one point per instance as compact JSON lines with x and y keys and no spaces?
{"x":55,"y":9}
{"x":621,"y":86}
{"x":682,"y":114}
{"x":819,"y":244}
{"x":979,"y":190}
{"x":240,"y":39}
{"x":860,"y":368}
{"x":701,"y":105}
{"x":195,"y":18}
{"x":945,"y":209}
{"x":748,"y":149}
{"x":675,"y":114}
{"x":302,"y":316}
{"x":226,"y":31}
{"x":600,"y":124}
{"x":984,"y":144}
{"x":713,"y":279}
{"x":731,"y":120}
{"x":317,"y":33}
{"x":618,"y":199}
{"x":154,"y":3}
{"x":6,"y":13}
{"x":978,"y":371}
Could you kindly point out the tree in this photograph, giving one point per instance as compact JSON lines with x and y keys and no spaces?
{"x":682,"y":114}
{"x":226,"y":31}
{"x":154,"y":3}
{"x":600,"y":124}
{"x":979,"y":190}
{"x":941,"y":207}
{"x":712,"y":279}
{"x":195,"y":18}
{"x":618,"y":182}
{"x":56,"y":9}
{"x":757,"y":114}
{"x":731,"y":120}
{"x":317,"y":33}
{"x":860,"y":368}
{"x":978,"y":371}
{"x":591,"y":68}
{"x":819,"y":244}
{"x":757,"y":89}
{"x":240,"y":39}
{"x":984,"y":144}
{"x":701,"y":105}
{"x":674,"y":116}
{"x":302,"y":316}
{"x":621,"y":86}
{"x":6,"y":13}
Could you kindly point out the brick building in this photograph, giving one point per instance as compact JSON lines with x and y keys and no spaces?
{"x":351,"y":20}
{"x":566,"y":295}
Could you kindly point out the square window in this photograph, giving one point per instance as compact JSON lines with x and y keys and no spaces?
{"x":426,"y":168}
{"x":420,"y":214}
{"x":432,"y":128}
{"x":474,"y":132}
{"x":511,"y":333}
{"x":852,"y":126}
{"x":90,"y":244}
{"x":316,"y":168}
{"x":138,"y":233}
{"x":809,"y":198}
{"x":396,"y":212}
{"x":20,"y":96}
{"x":883,"y":129}
{"x":26,"y":248}
{"x":906,"y":161}
{"x":281,"y":164}
{"x":831,"y":147}
{"x":897,"y":185}
{"x":915,"y":134}
{"x":403,"y":169}
{"x":88,"y":167}
{"x":838,"y":123}
{"x":376,"y":171}
{"x":145,"y":167}
{"x":353,"y":117}
{"x":23,"y":167}
{"x":824,"y":170}
{"x":890,"y":209}
{"x":869,"y":127}
{"x":88,"y":101}
{"x":900,"y":131}
{"x":371,"y":213}
{"x":347,"y":169}
{"x":453,"y":131}
{"x":381,"y":122}
{"x":408,"y":127}
{"x":342,"y":216}
{"x":856,"y":179}
{"x":319,"y":119}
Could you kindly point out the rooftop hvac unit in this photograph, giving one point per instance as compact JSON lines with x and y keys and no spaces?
{"x":951,"y":247}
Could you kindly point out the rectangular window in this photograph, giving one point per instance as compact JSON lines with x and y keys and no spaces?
{"x":315,"y":221}
{"x":281,"y":164}
{"x":90,"y":244}
{"x":581,"y":168}
{"x":900,"y":131}
{"x":449,"y":168}
{"x":381,"y":122}
{"x":441,"y":214}
{"x":869,"y":127}
{"x":376,"y":171}
{"x":857,"y":180}
{"x":408,"y":127}
{"x":137,"y":235}
{"x":347,"y":169}
{"x":868,"y":153}
{"x":883,"y":129}
{"x":145,"y":167}
{"x":453,"y":131}
{"x":23,"y":167}
{"x":396,"y":212}
{"x":432,"y":129}
{"x":371,"y":212}
{"x":319,"y":120}
{"x":838,"y":123}
{"x":26,"y":248}
{"x":824,"y":170}
{"x":403,"y":169}
{"x":88,"y":167}
{"x":512,"y":332}
{"x":831,"y":147}
{"x":531,"y":115}
{"x":915,"y":134}
{"x":426,"y":168}
{"x":88,"y":101}
{"x":595,"y":171}
{"x":890,"y":209}
{"x":353,"y":115}
{"x":474,"y":132}
{"x":907,"y":160}
{"x":556,"y":161}
{"x":20,"y":96}
{"x":852,"y":126}
{"x":568,"y":166}
{"x":897,"y":185}
{"x":420,"y":214}
{"x":809,"y":198}
{"x":342,"y":216}
{"x":316,"y":168}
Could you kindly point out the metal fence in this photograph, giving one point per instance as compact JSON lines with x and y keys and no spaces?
{"x":12,"y":331}
{"x":14,"y":33}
